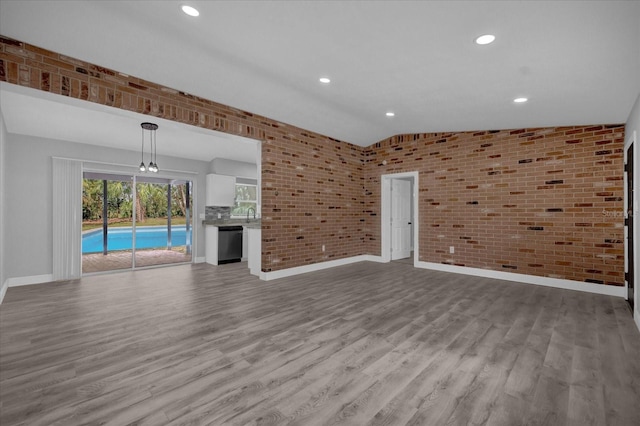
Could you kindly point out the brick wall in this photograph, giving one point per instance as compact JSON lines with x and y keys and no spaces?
{"x":545,"y":202}
{"x":312,"y":184}
{"x":535,"y":201}
{"x":311,"y":196}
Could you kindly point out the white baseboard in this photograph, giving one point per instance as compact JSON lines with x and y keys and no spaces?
{"x":283,"y":273}
{"x":527,"y":279}
{"x":199,"y":259}
{"x":34,"y":279}
{"x":18,"y":281}
{"x":3,"y":290}
{"x":636,"y":316}
{"x":486,"y":273}
{"x":372,"y":258}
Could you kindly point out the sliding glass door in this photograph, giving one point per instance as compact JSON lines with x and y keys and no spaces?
{"x":134,"y":221}
{"x":163,"y":222}
{"x":107,"y":221}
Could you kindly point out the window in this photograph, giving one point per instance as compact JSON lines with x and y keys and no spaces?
{"x":246,"y":199}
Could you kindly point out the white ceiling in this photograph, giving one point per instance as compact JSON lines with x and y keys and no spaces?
{"x":577,"y":61}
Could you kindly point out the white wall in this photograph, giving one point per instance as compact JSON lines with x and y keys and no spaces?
{"x":27,"y":191}
{"x":223,"y":166}
{"x":3,"y":143}
{"x":633,"y":125}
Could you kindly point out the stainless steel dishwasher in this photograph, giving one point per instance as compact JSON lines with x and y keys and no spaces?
{"x":229,"y":244}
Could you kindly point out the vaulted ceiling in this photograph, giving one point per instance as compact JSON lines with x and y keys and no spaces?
{"x":578,"y":62}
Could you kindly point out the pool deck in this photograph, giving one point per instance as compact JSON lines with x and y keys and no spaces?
{"x":97,"y":262}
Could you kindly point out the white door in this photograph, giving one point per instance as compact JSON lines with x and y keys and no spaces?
{"x":400,"y":219}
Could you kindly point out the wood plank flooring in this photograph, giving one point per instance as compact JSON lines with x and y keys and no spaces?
{"x":364,"y":344}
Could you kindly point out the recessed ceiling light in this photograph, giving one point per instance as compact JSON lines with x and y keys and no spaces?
{"x":191,"y":11}
{"x":325,"y":80}
{"x":485,"y":39}
{"x":520,"y":100}
{"x":391,"y":114}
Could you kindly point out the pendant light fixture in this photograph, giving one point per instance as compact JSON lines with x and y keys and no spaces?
{"x":153,"y":161}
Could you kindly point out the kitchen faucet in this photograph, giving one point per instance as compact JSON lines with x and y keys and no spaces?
{"x":254,"y":213}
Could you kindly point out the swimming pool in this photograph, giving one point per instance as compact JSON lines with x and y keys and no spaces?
{"x":122,"y":238}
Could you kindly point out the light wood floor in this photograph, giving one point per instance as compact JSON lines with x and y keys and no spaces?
{"x":378,"y":344}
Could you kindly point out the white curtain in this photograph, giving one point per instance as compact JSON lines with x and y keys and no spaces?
{"x":67,"y":219}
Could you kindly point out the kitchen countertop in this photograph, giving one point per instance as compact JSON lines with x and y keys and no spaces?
{"x":253,"y":223}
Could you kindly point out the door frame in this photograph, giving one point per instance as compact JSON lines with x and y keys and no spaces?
{"x":385,"y":214}
{"x":89,"y":166}
{"x":633,"y":239}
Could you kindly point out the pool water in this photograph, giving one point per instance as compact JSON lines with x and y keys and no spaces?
{"x":122,"y":238}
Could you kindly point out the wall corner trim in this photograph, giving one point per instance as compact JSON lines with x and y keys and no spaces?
{"x":527,"y":279}
{"x":283,"y":273}
{"x":3,"y":290}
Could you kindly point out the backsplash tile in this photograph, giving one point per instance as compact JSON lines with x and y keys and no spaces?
{"x":212,"y":212}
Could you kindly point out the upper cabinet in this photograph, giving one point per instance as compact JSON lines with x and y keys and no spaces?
{"x":221,"y":190}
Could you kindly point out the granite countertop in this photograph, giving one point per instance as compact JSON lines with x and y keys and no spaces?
{"x":252,"y":223}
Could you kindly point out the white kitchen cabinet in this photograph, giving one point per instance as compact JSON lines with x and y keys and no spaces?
{"x":211,"y":244}
{"x":245,"y":243}
{"x":255,"y":250}
{"x":221,"y":190}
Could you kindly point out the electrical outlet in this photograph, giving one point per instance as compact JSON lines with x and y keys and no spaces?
{"x":452,"y":250}
{"x":323,"y":247}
